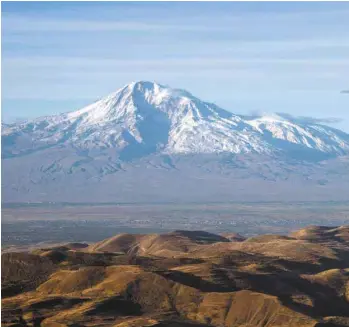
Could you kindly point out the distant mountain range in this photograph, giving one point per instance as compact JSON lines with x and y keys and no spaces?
{"x":149,"y":142}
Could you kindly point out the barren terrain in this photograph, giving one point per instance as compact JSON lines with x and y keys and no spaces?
{"x":182,"y":278}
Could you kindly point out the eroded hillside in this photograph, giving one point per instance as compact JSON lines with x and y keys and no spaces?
{"x":182,"y":279}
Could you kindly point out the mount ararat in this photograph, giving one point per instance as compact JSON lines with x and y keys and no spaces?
{"x":151,"y":143}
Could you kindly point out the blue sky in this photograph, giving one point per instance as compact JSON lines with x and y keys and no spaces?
{"x":245,"y":57}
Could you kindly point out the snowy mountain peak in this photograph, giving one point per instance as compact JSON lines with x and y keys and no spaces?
{"x":155,"y":88}
{"x":145,"y":117}
{"x":136,"y":98}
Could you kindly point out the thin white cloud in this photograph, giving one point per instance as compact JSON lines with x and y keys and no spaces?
{"x":163,"y":21}
{"x":63,"y":62}
{"x":29,"y":24}
{"x":54,"y":77}
{"x":56,"y":84}
{"x":190,"y":45}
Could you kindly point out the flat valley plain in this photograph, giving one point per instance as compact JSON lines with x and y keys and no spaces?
{"x":26,"y":225}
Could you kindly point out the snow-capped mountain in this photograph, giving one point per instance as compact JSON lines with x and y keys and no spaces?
{"x":149,"y":117}
{"x":147,"y":129}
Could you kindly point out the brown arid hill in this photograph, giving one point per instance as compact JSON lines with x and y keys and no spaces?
{"x":323,"y":233}
{"x":182,"y":278}
{"x":233,"y":237}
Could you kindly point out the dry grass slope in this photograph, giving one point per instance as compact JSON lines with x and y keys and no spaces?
{"x":182,"y":279}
